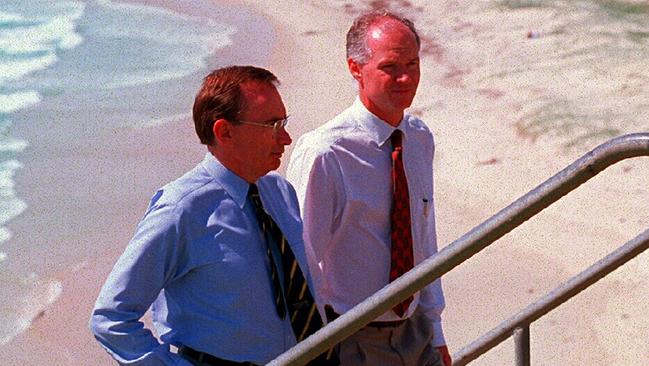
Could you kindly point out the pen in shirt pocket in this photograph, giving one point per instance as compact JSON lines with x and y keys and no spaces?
{"x":425,"y":206}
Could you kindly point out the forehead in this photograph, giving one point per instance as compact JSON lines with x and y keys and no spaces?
{"x":261,"y":98}
{"x":390,"y":34}
{"x":258,"y":92}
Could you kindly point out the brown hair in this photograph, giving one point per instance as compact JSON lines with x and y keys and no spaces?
{"x":357,"y":48}
{"x":220,"y":97}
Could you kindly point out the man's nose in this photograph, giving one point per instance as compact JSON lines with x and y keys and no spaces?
{"x":283,"y":137}
{"x":404,"y":77}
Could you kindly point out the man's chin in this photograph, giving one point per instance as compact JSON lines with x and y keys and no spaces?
{"x":275,"y":164}
{"x":404,"y":103}
{"x":401,"y":103}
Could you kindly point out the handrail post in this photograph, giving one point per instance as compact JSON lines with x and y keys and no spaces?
{"x":522,"y":344}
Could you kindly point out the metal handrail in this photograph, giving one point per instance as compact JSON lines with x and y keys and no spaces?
{"x":518,"y":325}
{"x":467,"y":245}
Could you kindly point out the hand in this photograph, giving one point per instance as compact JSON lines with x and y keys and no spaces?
{"x":446,"y":357}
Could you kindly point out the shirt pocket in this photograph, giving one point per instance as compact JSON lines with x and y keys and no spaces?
{"x":423,"y":224}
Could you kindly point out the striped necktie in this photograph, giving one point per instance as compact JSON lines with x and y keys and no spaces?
{"x":400,"y":234}
{"x":294,"y":291}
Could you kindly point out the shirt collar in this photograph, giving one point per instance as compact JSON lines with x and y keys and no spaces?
{"x":378,"y":130}
{"x":235,"y":186}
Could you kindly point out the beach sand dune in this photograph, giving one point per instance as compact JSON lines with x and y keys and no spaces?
{"x":514,"y":91}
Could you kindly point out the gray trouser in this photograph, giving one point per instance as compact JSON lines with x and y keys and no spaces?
{"x":408,"y":344}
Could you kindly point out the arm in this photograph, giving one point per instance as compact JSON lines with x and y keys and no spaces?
{"x":432,"y":301}
{"x":315,"y":176}
{"x":432,"y":296}
{"x":134,"y":283}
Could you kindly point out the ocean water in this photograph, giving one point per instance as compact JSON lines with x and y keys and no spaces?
{"x":85,"y":48}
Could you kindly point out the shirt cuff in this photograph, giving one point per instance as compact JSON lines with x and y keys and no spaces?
{"x":438,"y":335}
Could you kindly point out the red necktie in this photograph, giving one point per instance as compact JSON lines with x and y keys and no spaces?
{"x":400,"y":235}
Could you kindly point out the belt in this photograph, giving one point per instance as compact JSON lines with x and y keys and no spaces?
{"x":332,"y":315}
{"x":206,"y":358}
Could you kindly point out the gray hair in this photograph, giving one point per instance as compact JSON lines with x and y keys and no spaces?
{"x":357,"y":48}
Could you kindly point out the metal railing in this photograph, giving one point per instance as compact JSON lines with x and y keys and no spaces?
{"x":518,"y":325}
{"x":469,"y":244}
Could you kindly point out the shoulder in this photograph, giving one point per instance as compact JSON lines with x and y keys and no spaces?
{"x":281,"y":197}
{"x":315,"y":159}
{"x":419,"y":132}
{"x":322,"y":139}
{"x":329,"y":135}
{"x":275,"y":183}
{"x":278,"y":189}
{"x":416,"y":125}
{"x":187,"y":190}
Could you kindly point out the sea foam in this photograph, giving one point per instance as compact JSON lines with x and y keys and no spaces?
{"x":10,"y":103}
{"x":124,"y":58}
{"x":153,"y":44}
{"x":26,"y":299}
{"x":32,"y":34}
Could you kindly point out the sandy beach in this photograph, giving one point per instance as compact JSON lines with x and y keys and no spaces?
{"x":488,"y":75}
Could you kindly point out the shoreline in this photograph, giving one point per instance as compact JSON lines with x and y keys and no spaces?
{"x":103,"y":183}
{"x":481,"y":165}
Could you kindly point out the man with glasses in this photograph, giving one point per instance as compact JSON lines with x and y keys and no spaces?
{"x":211,"y":254}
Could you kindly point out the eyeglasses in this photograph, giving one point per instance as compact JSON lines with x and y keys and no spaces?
{"x":276,"y":124}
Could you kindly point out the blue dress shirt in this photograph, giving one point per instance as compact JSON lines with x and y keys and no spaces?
{"x":198,"y":259}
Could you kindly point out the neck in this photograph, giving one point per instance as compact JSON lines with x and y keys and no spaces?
{"x":231,"y":164}
{"x":392,"y":118}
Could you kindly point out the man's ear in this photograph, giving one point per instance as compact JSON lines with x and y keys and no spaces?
{"x":222,"y":131}
{"x":355,"y":70}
